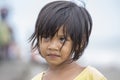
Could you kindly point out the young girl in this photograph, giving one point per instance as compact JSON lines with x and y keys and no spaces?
{"x":61,"y":34}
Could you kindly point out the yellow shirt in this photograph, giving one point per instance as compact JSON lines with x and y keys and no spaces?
{"x":89,"y":73}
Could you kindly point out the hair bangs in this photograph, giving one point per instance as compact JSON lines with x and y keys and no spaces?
{"x":52,"y":21}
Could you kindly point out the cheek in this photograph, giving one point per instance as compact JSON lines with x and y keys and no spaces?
{"x":66,"y":50}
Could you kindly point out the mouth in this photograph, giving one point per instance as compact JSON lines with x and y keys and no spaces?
{"x":51,"y":55}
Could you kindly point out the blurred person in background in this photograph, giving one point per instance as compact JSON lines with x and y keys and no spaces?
{"x":5,"y":34}
{"x":8,"y":46}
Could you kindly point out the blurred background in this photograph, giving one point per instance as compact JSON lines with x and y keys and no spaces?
{"x":17,"y":21}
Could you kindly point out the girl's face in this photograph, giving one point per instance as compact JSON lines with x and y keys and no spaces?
{"x":52,"y":50}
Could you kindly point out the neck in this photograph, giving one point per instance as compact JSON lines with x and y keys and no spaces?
{"x":63,"y":67}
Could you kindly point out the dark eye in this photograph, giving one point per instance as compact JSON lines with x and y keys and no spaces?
{"x":62,"y":39}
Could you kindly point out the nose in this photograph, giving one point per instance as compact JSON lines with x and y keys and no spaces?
{"x":53,"y":45}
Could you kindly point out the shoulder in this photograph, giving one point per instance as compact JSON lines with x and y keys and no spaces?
{"x":38,"y":76}
{"x":94,"y":73}
{"x":93,"y":70}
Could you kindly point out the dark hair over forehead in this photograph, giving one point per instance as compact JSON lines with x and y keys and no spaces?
{"x":76,"y":22}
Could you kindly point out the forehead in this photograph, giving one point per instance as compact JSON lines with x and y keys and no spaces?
{"x":60,"y":31}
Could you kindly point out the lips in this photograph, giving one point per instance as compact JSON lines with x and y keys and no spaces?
{"x":53,"y":55}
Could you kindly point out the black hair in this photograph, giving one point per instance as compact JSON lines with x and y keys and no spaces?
{"x":76,"y":22}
